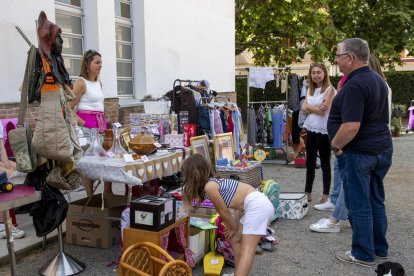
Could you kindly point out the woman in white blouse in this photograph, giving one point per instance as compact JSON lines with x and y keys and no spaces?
{"x":317,"y":105}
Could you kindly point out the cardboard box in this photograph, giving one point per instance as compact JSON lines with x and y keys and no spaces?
{"x":202,"y":212}
{"x":199,"y":240}
{"x":91,"y":226}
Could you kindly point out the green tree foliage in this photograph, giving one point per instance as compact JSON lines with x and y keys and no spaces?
{"x":387,"y":25}
{"x":284,"y":30}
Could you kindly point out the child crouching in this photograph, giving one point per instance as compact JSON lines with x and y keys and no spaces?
{"x":199,"y":184}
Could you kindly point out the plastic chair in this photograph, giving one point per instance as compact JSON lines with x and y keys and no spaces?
{"x":147,"y":259}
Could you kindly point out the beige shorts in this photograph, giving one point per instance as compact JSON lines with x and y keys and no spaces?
{"x":258,"y":210}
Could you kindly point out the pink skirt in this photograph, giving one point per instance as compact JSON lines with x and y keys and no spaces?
{"x":93,"y":119}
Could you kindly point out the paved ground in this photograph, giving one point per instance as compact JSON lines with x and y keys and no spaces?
{"x":300,"y":252}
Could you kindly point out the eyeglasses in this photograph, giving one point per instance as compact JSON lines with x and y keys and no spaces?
{"x":340,"y":55}
{"x":90,"y":53}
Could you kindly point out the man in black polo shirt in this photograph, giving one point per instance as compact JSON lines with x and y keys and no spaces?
{"x":361,"y":140}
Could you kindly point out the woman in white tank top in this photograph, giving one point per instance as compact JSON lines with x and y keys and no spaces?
{"x":89,"y":98}
{"x":317,"y":105}
{"x":89,"y":101}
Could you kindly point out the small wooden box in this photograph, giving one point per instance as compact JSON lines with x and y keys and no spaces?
{"x":152,"y":213}
{"x":132,"y":236}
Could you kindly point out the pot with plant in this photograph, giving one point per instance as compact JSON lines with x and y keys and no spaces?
{"x":396,"y":121}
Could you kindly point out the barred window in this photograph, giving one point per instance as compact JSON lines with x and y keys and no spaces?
{"x":124,"y":42}
{"x":69,"y":19}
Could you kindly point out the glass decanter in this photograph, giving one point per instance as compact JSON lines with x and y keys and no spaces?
{"x":95,"y":149}
{"x":117,"y":150}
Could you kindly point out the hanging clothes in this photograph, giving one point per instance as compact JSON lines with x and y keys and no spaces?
{"x":284,"y":84}
{"x":241,"y":129}
{"x":223,"y":121}
{"x":236,"y":117}
{"x":183,"y":101}
{"x":211,"y":118}
{"x":261,"y":126}
{"x":259,"y":76}
{"x":218,"y":126}
{"x":304,"y":89}
{"x":293,"y":97}
{"x":269,"y":139}
{"x":251,"y":126}
{"x":278,"y":127}
{"x":203,"y":121}
{"x":230,"y":123}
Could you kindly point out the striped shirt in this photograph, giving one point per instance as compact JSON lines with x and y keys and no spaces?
{"x":227,"y":189}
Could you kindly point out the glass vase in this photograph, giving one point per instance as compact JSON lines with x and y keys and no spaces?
{"x":95,"y":149}
{"x":116,"y":151}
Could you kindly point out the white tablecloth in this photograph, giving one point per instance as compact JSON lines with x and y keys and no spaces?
{"x":133,"y":173}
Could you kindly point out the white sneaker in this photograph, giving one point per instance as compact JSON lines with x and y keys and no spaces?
{"x":16,"y":233}
{"x":325,"y":226}
{"x":327,"y":206}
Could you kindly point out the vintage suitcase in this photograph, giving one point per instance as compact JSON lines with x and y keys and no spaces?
{"x":292,"y":205}
{"x":152,"y":213}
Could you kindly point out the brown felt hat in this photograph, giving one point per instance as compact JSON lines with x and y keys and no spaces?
{"x":47,"y":33}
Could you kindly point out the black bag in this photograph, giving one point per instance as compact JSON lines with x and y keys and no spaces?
{"x":51,"y":210}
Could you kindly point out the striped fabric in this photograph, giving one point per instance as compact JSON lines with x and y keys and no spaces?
{"x":227,"y":188}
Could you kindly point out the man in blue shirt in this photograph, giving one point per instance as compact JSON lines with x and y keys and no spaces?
{"x":360,"y":138}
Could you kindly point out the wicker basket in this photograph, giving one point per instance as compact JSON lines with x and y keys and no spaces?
{"x":251,"y":175}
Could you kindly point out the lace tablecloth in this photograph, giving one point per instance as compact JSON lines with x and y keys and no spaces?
{"x":133,"y":173}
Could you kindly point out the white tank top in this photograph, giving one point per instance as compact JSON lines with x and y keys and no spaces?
{"x":315,"y":122}
{"x":93,"y":98}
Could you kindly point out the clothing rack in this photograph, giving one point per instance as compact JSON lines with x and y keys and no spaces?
{"x":286,"y":69}
{"x":180,"y":81}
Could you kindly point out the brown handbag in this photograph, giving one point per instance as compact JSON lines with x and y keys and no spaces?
{"x":58,"y":181}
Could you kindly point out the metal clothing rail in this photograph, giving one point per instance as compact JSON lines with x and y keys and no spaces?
{"x":283,"y":69}
{"x":262,"y":102}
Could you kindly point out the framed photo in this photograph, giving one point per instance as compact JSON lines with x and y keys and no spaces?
{"x":199,"y":144}
{"x":223,"y":146}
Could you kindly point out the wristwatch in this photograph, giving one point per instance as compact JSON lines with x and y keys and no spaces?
{"x":335,"y":149}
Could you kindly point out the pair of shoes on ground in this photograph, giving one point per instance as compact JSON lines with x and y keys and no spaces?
{"x":325,"y":226}
{"x":346,"y":256}
{"x":327,"y":206}
{"x":16,"y":233}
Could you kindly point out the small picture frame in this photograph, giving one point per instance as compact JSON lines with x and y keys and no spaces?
{"x":223,"y":146}
{"x":199,"y":144}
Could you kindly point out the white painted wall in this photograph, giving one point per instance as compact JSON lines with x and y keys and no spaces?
{"x":187,"y":39}
{"x":99,"y":34}
{"x":13,"y":48}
